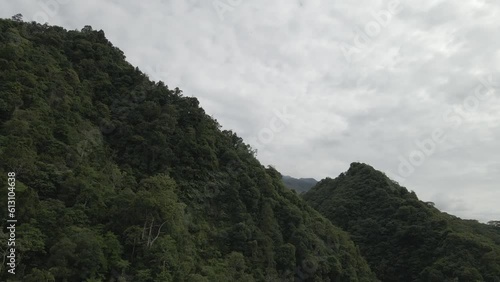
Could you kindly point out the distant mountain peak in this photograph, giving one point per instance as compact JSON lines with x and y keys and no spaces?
{"x":299,"y":184}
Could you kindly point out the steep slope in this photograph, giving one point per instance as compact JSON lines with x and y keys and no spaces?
{"x":402,"y":238}
{"x":299,"y":184}
{"x":122,"y":179}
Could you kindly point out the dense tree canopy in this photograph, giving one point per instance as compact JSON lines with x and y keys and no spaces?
{"x":123,"y":179}
{"x":403,"y":238}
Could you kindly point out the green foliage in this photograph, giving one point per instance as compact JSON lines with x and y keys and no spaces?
{"x":495,"y":223}
{"x":124,"y":179}
{"x":402,"y":238}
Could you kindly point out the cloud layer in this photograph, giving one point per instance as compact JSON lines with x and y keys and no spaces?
{"x":315,"y":85}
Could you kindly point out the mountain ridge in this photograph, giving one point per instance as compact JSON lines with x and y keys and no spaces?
{"x":299,"y":184}
{"x":403,"y":238}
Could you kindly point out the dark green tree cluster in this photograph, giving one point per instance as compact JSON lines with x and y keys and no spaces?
{"x":123,"y":179}
{"x":403,"y":238}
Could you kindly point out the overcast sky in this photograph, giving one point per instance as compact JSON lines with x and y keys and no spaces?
{"x":411,"y":89}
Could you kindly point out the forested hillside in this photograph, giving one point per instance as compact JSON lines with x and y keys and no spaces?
{"x":403,"y":238}
{"x":119,"y":178}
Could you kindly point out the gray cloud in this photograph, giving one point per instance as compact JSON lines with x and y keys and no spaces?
{"x":262,"y":56}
